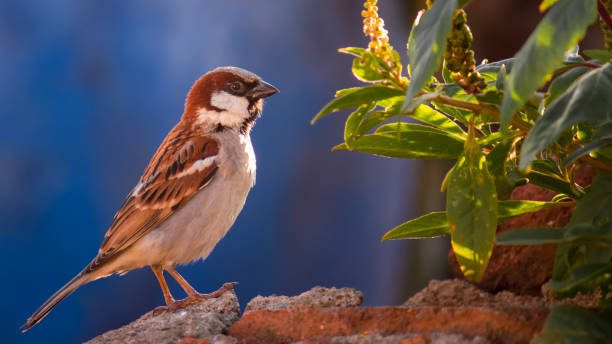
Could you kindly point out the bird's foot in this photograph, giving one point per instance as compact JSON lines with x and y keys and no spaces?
{"x":194,"y":298}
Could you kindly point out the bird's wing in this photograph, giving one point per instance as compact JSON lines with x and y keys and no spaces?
{"x":182,"y":165}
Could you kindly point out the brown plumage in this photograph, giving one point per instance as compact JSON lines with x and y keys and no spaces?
{"x":174,"y":215}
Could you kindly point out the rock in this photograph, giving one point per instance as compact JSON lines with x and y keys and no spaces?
{"x":524,"y":269}
{"x":448,"y":312}
{"x":315,"y":297}
{"x":203,"y":320}
{"x":377,"y":338}
{"x":459,"y":293}
{"x":318,"y":324}
{"x":216,"y":339}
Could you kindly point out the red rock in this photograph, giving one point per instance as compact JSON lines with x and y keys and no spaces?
{"x":513,"y":325}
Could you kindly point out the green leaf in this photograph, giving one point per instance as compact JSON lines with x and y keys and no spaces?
{"x":411,"y":141}
{"x":401,"y":127}
{"x":572,"y":324}
{"x":496,"y":161}
{"x":587,"y":100}
{"x":563,"y":82}
{"x":531,"y":236}
{"x":427,"y":226}
{"x":560,"y":30}
{"x":354,"y":121}
{"x":548,"y":235}
{"x":356,"y":97}
{"x":371,"y":120}
{"x":509,"y":209}
{"x":601,"y":138}
{"x":471,"y":208}
{"x":586,"y":149}
{"x":355,"y":51}
{"x":501,"y":76}
{"x":552,"y":182}
{"x":584,"y":278}
{"x":428,"y":115}
{"x":436,"y":224}
{"x":367,"y":67}
{"x":592,"y":214}
{"x":588,"y":232}
{"x":493,"y":68}
{"x":600,"y":55}
{"x":426,"y":46}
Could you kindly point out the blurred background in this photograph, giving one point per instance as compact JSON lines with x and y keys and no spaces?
{"x":89,"y":89}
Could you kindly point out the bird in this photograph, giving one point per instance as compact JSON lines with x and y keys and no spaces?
{"x":190,"y":193}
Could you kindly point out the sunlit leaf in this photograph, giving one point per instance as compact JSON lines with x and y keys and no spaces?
{"x":560,"y":30}
{"x":426,"y":46}
{"x":354,"y":121}
{"x":366,"y":66}
{"x":413,"y":142}
{"x":371,"y":120}
{"x":587,"y":100}
{"x":471,"y":208}
{"x":600,"y":55}
{"x":355,"y":97}
{"x":427,"y":226}
{"x":509,"y":209}
{"x":436,"y":224}
{"x":601,"y":138}
{"x":546,"y":4}
{"x":428,"y":115}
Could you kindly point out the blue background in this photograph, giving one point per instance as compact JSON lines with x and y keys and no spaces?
{"x":88,"y":89}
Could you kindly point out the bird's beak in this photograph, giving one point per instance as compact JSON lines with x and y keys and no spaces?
{"x":262,"y":90}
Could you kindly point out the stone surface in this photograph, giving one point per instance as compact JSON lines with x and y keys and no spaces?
{"x":513,"y":325}
{"x":203,"y":320}
{"x":459,"y":293}
{"x":524,"y":269}
{"x":451,"y":311}
{"x":216,"y":339}
{"x":445,"y":312}
{"x":377,"y":338}
{"x":315,"y":297}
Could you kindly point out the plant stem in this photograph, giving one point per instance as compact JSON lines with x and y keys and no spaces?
{"x":604,"y":14}
{"x":477,"y":108}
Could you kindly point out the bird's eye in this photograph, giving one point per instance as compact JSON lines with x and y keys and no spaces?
{"x":236,"y":86}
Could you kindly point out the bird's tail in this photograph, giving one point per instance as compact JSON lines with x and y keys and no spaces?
{"x":78,"y":280}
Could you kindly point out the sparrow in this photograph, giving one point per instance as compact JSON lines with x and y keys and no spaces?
{"x":191,"y":192}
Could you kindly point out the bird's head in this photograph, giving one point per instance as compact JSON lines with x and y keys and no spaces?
{"x":227,"y":98}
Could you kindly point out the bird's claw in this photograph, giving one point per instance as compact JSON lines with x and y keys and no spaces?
{"x":195,"y":298}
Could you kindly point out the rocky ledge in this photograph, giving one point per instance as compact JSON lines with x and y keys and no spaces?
{"x":451,"y":311}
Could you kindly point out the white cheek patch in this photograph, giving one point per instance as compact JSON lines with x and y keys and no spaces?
{"x":234,"y":110}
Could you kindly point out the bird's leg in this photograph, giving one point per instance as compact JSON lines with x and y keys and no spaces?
{"x":159,"y":273}
{"x":192,"y":294}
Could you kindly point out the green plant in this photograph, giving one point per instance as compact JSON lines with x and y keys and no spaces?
{"x":527,"y":119}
